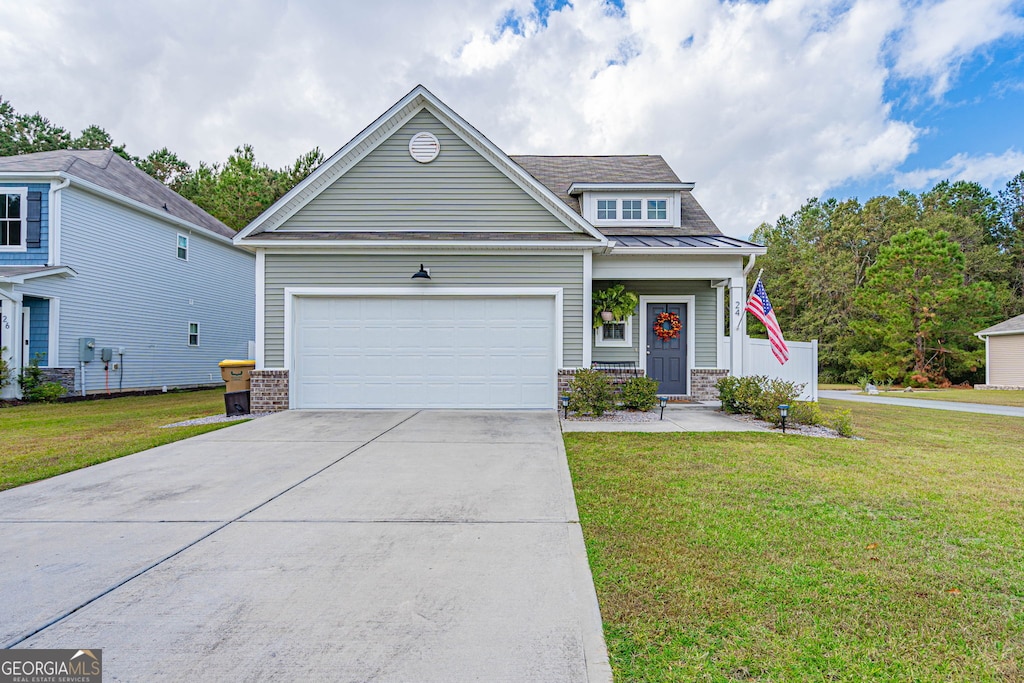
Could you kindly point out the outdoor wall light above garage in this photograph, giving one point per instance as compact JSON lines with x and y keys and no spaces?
{"x":421,"y":274}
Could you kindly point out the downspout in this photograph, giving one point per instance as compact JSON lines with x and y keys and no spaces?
{"x":749,"y":267}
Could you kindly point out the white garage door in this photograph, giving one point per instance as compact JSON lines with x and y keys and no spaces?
{"x":415,"y":352}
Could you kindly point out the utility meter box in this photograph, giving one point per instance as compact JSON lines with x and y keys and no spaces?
{"x":86,"y":349}
{"x":106,"y":354}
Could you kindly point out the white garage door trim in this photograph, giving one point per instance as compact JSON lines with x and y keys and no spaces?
{"x":291,"y":293}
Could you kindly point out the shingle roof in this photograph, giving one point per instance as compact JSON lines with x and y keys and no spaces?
{"x":558,"y":173}
{"x":111,"y":172}
{"x":1011,"y":325}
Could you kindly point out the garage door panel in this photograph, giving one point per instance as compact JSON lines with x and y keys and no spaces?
{"x":424,"y":352}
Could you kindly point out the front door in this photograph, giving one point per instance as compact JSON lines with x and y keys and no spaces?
{"x":666,"y":354}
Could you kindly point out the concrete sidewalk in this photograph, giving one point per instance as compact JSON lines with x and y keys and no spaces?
{"x":346,"y":546}
{"x":678,"y":418}
{"x":984,"y":409}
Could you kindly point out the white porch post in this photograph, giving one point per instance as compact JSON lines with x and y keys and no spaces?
{"x":11,"y":337}
{"x":737,"y":324}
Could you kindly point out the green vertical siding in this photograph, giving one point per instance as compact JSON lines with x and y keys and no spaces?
{"x":705,"y":318}
{"x":447,"y":270}
{"x":458,"y":191}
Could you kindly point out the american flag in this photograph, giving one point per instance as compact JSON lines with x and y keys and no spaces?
{"x":761,"y":307}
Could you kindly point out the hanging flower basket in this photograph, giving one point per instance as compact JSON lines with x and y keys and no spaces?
{"x":667,"y":326}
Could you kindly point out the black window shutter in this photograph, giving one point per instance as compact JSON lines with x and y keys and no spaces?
{"x":35,"y":219}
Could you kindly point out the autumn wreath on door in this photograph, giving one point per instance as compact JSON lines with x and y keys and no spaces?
{"x":667,"y":326}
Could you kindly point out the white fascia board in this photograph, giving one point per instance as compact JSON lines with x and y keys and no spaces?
{"x":428,"y":245}
{"x":982,"y":335}
{"x":64,"y":271}
{"x":690,"y":251}
{"x":580,"y":188}
{"x":457,"y":125}
{"x":144,"y":208}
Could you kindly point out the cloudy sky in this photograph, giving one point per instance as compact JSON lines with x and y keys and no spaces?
{"x":762,"y":104}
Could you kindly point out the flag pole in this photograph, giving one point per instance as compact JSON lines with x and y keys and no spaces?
{"x":746,"y":298}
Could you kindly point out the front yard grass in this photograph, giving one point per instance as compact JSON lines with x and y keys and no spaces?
{"x":993,"y":397}
{"x":762,"y":557}
{"x":42,"y":440}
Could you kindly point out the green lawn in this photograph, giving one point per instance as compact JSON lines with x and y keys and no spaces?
{"x":43,"y":440}
{"x":762,"y":557}
{"x":994,"y":397}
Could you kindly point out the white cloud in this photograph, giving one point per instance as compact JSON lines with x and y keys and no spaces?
{"x":989,"y":170}
{"x":762,"y":104}
{"x":939,"y":35}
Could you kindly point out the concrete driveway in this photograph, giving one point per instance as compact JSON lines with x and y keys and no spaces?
{"x":346,"y":546}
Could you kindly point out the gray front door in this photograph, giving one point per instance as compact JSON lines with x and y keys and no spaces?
{"x":666,"y":360}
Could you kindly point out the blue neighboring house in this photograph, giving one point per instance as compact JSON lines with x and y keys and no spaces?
{"x":92,"y":248}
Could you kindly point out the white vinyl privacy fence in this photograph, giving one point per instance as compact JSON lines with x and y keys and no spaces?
{"x":801,"y":368}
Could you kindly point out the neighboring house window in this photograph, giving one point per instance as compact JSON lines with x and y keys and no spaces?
{"x":193,"y":334}
{"x":607,"y":209}
{"x":12,"y":220}
{"x":183,"y":247}
{"x":615,"y":333}
{"x":631,"y":209}
{"x":656,"y":210}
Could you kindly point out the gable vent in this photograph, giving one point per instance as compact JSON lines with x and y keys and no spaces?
{"x":424,"y":147}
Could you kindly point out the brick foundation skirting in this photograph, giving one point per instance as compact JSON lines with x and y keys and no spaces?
{"x":62,"y":376}
{"x":702,"y":384}
{"x":268,"y":391}
{"x":998,"y":387}
{"x":617,"y":377}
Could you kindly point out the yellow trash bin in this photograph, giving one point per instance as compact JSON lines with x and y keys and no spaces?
{"x":236,"y":374}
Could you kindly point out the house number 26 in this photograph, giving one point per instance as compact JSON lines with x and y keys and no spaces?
{"x":6,"y":323}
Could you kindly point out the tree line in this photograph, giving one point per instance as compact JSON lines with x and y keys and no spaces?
{"x":235,"y":191}
{"x":895,"y":288}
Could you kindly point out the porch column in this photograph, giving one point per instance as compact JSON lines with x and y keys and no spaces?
{"x":737,"y":324}
{"x":11,"y":338}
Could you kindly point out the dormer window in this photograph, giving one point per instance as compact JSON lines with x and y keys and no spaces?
{"x":632,"y":205}
{"x":657,"y":210}
{"x":631,"y":209}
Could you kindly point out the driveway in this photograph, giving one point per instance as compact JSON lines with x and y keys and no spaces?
{"x":346,"y":545}
{"x":984,"y":409}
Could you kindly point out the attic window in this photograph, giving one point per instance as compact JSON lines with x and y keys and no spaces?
{"x":656,"y":210}
{"x":424,"y":147}
{"x":607,"y":209}
{"x":631,"y":209}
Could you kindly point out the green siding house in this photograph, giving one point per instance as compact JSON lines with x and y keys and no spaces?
{"x":422,"y":267}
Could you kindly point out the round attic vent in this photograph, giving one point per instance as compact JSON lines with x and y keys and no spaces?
{"x":424,"y":147}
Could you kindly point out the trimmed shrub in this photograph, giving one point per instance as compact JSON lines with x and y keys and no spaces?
{"x":590,"y":392}
{"x":639,"y":393}
{"x":35,"y":388}
{"x":757,"y":395}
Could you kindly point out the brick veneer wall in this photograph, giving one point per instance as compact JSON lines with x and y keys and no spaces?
{"x":617,"y":377}
{"x":62,"y":376}
{"x":268,"y":391}
{"x":702,"y":384}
